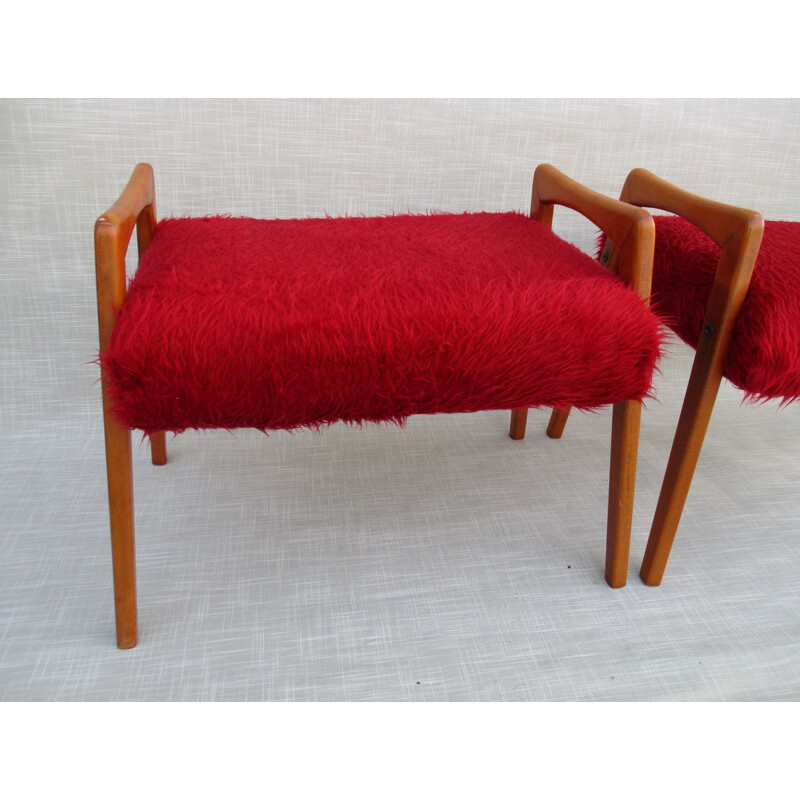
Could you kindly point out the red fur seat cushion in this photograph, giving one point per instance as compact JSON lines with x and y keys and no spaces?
{"x":764,"y":355}
{"x":277,"y":324}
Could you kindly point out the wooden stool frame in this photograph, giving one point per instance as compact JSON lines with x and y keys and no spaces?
{"x":631,"y":227}
{"x":738,"y":233}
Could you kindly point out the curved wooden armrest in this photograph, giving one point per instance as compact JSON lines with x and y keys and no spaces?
{"x":720,"y":221}
{"x":631,"y":228}
{"x":737,"y":231}
{"x":138,"y":194}
{"x":135,"y":208}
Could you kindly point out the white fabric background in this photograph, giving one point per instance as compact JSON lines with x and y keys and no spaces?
{"x":440,"y":562}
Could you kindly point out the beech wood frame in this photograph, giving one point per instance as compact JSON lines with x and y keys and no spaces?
{"x":632,"y":227}
{"x":135,"y":208}
{"x":738,"y":233}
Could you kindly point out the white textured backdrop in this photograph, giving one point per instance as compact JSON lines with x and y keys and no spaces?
{"x":440,"y":562}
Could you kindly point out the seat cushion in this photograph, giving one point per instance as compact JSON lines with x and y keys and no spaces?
{"x":764,"y":355}
{"x":276,"y":324}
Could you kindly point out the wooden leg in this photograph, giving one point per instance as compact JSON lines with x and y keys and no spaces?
{"x":698,"y":405}
{"x":621,"y":485}
{"x":120,"y":500}
{"x":519,"y":419}
{"x":158,"y":448}
{"x":558,"y":420}
{"x":135,"y":208}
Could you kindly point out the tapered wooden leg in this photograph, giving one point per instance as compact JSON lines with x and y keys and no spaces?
{"x":622,"y":482}
{"x":135,"y":208}
{"x":558,"y":420}
{"x":698,"y":405}
{"x":120,"y":500}
{"x":158,"y":448}
{"x":519,"y":419}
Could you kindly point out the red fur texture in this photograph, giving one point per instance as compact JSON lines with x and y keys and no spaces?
{"x":764,"y":355}
{"x":276,"y":324}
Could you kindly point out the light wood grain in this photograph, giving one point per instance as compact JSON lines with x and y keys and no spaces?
{"x":112,"y":234}
{"x":633,"y":229}
{"x":738,"y":232}
{"x":158,"y":448}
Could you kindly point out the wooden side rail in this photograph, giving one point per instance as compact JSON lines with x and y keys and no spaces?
{"x":634,"y":230}
{"x":738,"y":233}
{"x":112,"y":234}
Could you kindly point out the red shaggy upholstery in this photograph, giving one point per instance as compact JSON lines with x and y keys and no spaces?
{"x":764,"y":355}
{"x":276,"y":324}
